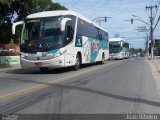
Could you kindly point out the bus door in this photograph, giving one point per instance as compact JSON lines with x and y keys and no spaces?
{"x":86,"y":50}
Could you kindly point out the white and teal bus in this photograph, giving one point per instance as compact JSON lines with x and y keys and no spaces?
{"x":118,"y":48}
{"x":54,"y":39}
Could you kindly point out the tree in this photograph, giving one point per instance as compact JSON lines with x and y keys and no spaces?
{"x":136,"y":51}
{"x":15,"y":10}
{"x":157,"y":42}
{"x":5,"y":21}
{"x":32,"y":6}
{"x":157,"y":47}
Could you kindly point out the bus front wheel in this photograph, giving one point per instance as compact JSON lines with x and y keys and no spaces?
{"x":77,"y":65}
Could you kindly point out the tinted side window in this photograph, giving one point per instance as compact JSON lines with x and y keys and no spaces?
{"x":126,"y":45}
{"x":106,"y":36}
{"x":83,"y":28}
{"x":100,"y":34}
{"x":71,"y":22}
{"x":89,"y":30}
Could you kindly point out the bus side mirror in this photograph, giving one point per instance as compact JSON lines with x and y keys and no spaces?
{"x":63,"y":23}
{"x":70,"y":33}
{"x":15,"y":25}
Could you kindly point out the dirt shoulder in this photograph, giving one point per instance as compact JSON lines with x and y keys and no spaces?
{"x":155,"y":67}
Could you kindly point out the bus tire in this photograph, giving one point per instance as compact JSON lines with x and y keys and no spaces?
{"x":44,"y":69}
{"x":78,"y":62}
{"x":103,"y":59}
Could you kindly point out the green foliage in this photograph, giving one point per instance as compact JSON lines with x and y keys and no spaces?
{"x":9,"y":9}
{"x":7,"y":1}
{"x":136,"y":51}
{"x":5,"y":33}
{"x":157,"y":47}
{"x":157,"y":42}
{"x":32,"y":6}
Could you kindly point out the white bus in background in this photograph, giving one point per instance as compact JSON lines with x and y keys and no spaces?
{"x":118,"y":48}
{"x":54,"y":39}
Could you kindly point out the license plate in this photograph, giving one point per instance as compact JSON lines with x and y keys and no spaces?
{"x":38,"y":64}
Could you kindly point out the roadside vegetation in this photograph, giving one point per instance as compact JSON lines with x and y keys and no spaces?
{"x":16,"y":10}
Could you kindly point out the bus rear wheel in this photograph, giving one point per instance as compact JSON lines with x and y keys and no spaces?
{"x":44,"y":69}
{"x":103,"y":59}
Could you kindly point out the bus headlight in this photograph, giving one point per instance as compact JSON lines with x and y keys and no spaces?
{"x":59,"y":53}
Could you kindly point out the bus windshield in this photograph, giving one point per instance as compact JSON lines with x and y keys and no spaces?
{"x":42,"y":34}
{"x":115,"y":47}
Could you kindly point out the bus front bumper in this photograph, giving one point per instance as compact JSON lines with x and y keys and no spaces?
{"x":111,"y":57}
{"x":57,"y":62}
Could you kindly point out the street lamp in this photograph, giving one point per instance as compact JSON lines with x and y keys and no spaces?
{"x":140,"y":19}
{"x":136,"y":16}
{"x":151,"y":32}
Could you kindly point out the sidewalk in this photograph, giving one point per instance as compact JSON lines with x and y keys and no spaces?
{"x":9,"y":67}
{"x":155,"y":69}
{"x":156,"y":62}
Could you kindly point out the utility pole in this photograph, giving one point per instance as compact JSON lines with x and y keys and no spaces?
{"x":151,"y":28}
{"x":147,"y":50}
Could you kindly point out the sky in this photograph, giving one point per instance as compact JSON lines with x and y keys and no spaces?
{"x":119,"y":11}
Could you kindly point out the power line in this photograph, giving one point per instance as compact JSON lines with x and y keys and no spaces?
{"x":126,"y":27}
{"x":157,"y":9}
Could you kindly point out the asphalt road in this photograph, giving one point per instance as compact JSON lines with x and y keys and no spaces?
{"x":119,"y":86}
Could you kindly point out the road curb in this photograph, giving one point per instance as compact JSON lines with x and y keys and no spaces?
{"x":158,"y":69}
{"x":155,"y":73}
{"x":154,"y":63}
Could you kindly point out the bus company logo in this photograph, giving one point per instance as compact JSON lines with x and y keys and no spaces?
{"x":95,"y":46}
{"x":40,"y":45}
{"x":79,"y":42}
